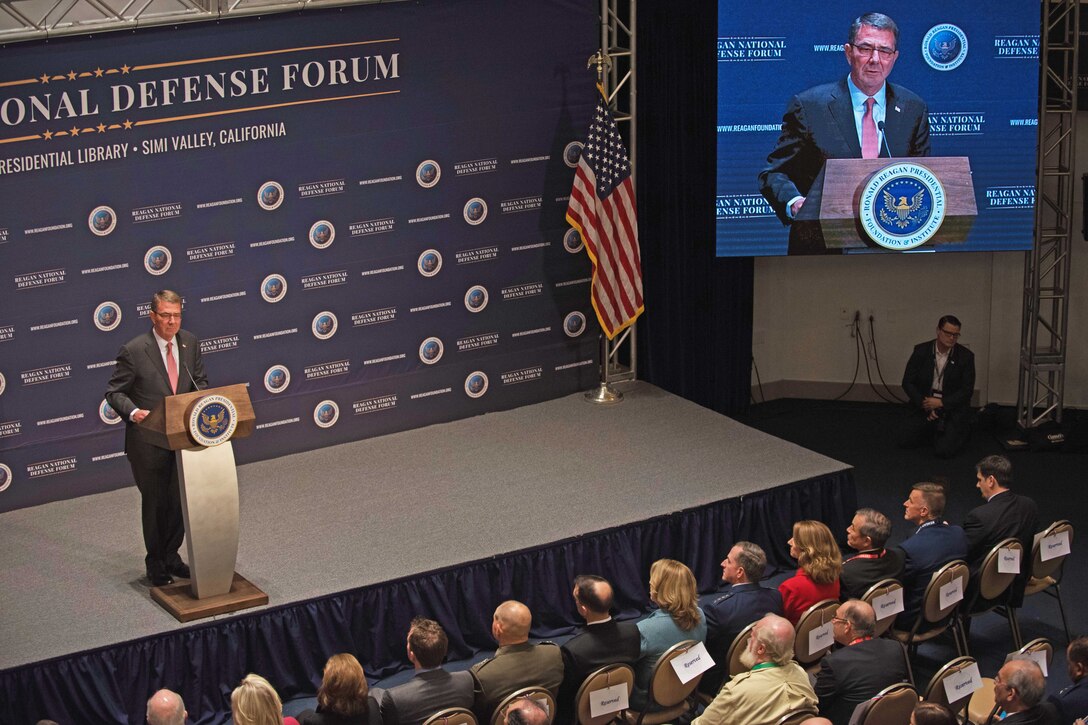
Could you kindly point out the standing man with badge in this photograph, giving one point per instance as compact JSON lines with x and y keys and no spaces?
{"x":939,"y":381}
{"x":163,"y":361}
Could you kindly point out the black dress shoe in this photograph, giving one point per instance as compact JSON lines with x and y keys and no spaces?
{"x":159,"y":578}
{"x":179,"y":569}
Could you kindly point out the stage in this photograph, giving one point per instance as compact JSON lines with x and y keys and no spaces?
{"x":351,"y":541}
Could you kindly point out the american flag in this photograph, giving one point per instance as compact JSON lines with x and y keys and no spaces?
{"x":602,"y":208}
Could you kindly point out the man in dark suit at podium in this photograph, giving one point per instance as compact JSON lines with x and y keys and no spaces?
{"x":860,"y":116}
{"x":161,"y":362}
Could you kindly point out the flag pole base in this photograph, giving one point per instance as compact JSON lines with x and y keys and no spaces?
{"x":604,"y":394}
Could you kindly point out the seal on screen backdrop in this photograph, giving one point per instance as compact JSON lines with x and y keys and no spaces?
{"x":430,"y":350}
{"x":476,"y":298}
{"x":429,"y":262}
{"x":428,"y":173}
{"x":157,"y":260}
{"x":326,"y":413}
{"x":107,"y":414}
{"x":572,"y":241}
{"x":5,"y":477}
{"x":475,"y":211}
{"x":102,"y":221}
{"x":571,"y":153}
{"x":107,"y":316}
{"x":270,"y":195}
{"x":574,"y":324}
{"x":277,"y":378}
{"x":902,"y":206}
{"x":213,"y":420}
{"x":324,"y":325}
{"x":273,"y":288}
{"x":322,"y":234}
{"x":476,"y":384}
{"x":944,"y":47}
{"x":3,"y":383}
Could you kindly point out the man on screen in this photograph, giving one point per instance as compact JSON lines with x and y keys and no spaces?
{"x":860,"y":116}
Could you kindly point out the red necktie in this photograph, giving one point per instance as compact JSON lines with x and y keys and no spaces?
{"x":870,"y":146}
{"x":171,"y":367}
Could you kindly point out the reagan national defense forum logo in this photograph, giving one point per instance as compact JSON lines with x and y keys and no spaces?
{"x":107,"y":316}
{"x":429,"y":262}
{"x":5,"y":477}
{"x":322,"y":234}
{"x":574,"y":324}
{"x":944,"y":47}
{"x":572,"y":152}
{"x":476,"y":384}
{"x":270,"y":195}
{"x":324,"y":325}
{"x":273,"y":288}
{"x":572,"y":241}
{"x":430,"y":350}
{"x":277,"y":378}
{"x":3,"y":383}
{"x":213,"y":420}
{"x":428,"y":173}
{"x":157,"y":260}
{"x":326,"y":413}
{"x":475,"y":211}
{"x":902,"y":206}
{"x":476,"y":298}
{"x":107,"y":414}
{"x":102,"y":221}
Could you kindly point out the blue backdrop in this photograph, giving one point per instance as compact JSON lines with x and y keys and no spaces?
{"x":982,"y":100}
{"x":362,"y":210}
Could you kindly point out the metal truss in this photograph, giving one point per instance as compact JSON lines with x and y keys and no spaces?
{"x":618,"y":359}
{"x":1044,"y":324}
{"x":22,"y":20}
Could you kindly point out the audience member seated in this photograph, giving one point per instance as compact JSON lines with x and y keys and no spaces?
{"x":516,"y":663}
{"x":255,"y":702}
{"x":1004,"y":515}
{"x":166,"y":708}
{"x":1018,"y":690}
{"x":867,"y":534}
{"x":861,"y":668}
{"x":343,"y":698}
{"x":525,"y":711}
{"x":432,"y":688}
{"x":819,"y":565}
{"x":1072,"y":702}
{"x":773,"y":686}
{"x":604,"y":641}
{"x":678,"y":618}
{"x":730,"y":612}
{"x":932,"y":713}
{"x":934,"y":543}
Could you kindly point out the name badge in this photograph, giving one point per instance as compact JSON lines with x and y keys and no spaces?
{"x":692,"y":663}
{"x":1008,"y":561}
{"x":962,"y":684}
{"x":888,"y":605}
{"x":608,"y":700}
{"x":1054,"y":546}
{"x":821,"y":638}
{"x":951,"y":593}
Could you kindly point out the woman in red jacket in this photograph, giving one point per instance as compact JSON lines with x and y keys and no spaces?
{"x":819,"y":565}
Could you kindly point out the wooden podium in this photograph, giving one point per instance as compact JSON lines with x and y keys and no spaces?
{"x":829,"y":221}
{"x":209,"y":499}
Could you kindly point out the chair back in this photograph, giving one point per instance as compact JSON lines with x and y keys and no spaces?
{"x":992,"y":583}
{"x":665,"y":687}
{"x":608,"y":676}
{"x":935,"y":690}
{"x":814,"y":617}
{"x":451,"y":716}
{"x":932,"y":611}
{"x":535,"y":692}
{"x":740,"y":643}
{"x":1041,"y":569}
{"x":891,"y":706}
{"x":1042,"y":644}
{"x":882,"y":587}
{"x":796,"y":717}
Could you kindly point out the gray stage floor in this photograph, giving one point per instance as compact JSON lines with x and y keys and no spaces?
{"x":71,"y":573}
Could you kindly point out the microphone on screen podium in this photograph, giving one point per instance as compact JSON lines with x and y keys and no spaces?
{"x":884,"y":138}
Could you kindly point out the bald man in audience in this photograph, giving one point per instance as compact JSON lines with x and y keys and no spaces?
{"x":773,"y":686}
{"x":1018,"y":690}
{"x":166,"y":708}
{"x":862,"y":667}
{"x":516,"y":663}
{"x":525,"y":711}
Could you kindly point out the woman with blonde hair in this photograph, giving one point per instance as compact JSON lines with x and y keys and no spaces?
{"x":255,"y":702}
{"x":678,"y":618}
{"x":819,"y":563}
{"x":343,"y":698}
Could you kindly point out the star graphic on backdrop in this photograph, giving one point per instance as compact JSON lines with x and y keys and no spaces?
{"x":127,"y":124}
{"x":48,"y":135}
{"x":44,"y":77}
{"x":98,"y":72}
{"x":101,"y":128}
{"x":71,"y":75}
{"x":124,"y":69}
{"x":75,"y":131}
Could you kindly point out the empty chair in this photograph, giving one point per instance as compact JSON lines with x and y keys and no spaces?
{"x":451,"y":716}
{"x":1046,"y":576}
{"x":601,"y":679}
{"x":994,"y":586}
{"x":933,"y":619}
{"x":891,"y":706}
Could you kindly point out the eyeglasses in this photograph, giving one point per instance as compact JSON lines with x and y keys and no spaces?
{"x":869,"y":51}
{"x":840,"y":620}
{"x":954,"y":335}
{"x":168,"y":315}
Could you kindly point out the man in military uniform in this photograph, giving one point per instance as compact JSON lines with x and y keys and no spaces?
{"x":516,"y":663}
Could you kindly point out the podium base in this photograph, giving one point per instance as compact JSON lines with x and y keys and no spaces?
{"x":179,"y":601}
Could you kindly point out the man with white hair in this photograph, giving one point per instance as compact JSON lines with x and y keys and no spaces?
{"x":773,"y":686}
{"x":166,"y":708}
{"x":1018,"y":689}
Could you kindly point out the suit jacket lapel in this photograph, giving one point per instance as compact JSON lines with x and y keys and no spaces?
{"x":155,"y":355}
{"x":843,"y":112}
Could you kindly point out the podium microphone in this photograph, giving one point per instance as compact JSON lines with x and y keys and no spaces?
{"x":884,"y":138}
{"x":195,"y":386}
